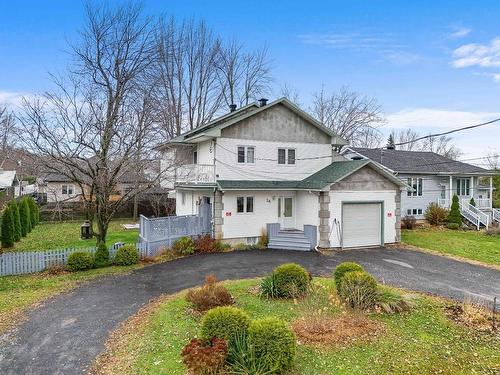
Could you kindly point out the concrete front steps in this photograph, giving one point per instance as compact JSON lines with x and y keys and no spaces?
{"x":289,"y":240}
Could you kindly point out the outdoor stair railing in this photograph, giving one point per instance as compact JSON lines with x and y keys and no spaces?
{"x":473,"y":214}
{"x":496,"y":214}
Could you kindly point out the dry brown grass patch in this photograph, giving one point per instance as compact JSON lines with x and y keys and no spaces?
{"x":474,"y":315}
{"x":343,"y":329}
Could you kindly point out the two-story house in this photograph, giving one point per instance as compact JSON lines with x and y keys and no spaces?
{"x":433,"y":178}
{"x":275,"y":164}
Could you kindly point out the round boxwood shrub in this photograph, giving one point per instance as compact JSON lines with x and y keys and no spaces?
{"x":102,"y":256}
{"x":290,"y":280}
{"x":358,"y":290}
{"x":453,"y":226}
{"x":184,"y":246}
{"x":126,"y":256}
{"x":224,"y":322}
{"x":80,"y":261}
{"x":273,"y":343}
{"x":342,"y":269}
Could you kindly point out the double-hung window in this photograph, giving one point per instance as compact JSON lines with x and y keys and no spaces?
{"x":244,"y":205}
{"x":417,"y":187}
{"x":67,"y":189}
{"x":286,"y":156}
{"x":246,"y":154}
{"x":463,"y":186}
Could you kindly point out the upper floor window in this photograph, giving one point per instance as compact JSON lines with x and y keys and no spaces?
{"x":417,"y":185}
{"x":246,"y":154}
{"x":286,"y":156}
{"x":463,"y":186}
{"x":67,"y":189}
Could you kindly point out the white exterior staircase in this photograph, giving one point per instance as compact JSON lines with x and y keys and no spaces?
{"x":474,"y":215}
{"x":496,"y":215}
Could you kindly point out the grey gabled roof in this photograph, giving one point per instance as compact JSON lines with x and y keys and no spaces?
{"x":232,"y":118}
{"x":418,"y":162}
{"x":331,"y":174}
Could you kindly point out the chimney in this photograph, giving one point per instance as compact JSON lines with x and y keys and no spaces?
{"x":232,"y":107}
{"x":262,"y":102}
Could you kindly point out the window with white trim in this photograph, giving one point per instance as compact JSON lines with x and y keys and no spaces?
{"x":246,"y":154}
{"x":244,"y":205}
{"x":414,"y":211}
{"x":463,"y":186}
{"x":418,"y":187}
{"x":67,"y":189}
{"x":286,"y":156}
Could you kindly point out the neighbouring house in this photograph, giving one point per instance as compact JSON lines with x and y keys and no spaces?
{"x":273,"y":166}
{"x":58,"y":188}
{"x":10,"y":184}
{"x":433,"y":178}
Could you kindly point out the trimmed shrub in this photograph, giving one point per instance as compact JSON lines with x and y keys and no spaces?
{"x":472,"y":202}
{"x":80,"y":261}
{"x":224,"y":322}
{"x":358,"y":290}
{"x":274,"y":344}
{"x":183,"y":246}
{"x":24,"y":214}
{"x":203,"y":359}
{"x":290,"y":280}
{"x":453,"y":226}
{"x":209,"y":295}
{"x":126,"y":256}
{"x":8,"y":227}
{"x":436,"y":214}
{"x":17,"y":220}
{"x":102,"y":256}
{"x":342,"y":269}
{"x":454,"y":216}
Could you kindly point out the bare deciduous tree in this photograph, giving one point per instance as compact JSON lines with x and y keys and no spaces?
{"x":442,"y":145}
{"x":492,"y":160}
{"x":7,"y":134}
{"x":405,"y":139}
{"x":87,"y":128}
{"x":354,"y":117}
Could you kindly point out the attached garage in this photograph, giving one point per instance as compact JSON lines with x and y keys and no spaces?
{"x":362,"y":224}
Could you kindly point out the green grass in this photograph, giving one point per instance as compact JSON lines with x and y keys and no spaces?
{"x":420,"y":342}
{"x":46,"y":236}
{"x":19,"y":293}
{"x":470,"y":244}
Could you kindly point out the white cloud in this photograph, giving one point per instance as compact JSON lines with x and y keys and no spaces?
{"x":460,"y":32}
{"x":483,"y":55}
{"x":474,"y":142}
{"x":12,"y":98}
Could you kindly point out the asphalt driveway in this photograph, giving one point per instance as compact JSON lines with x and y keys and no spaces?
{"x":65,"y":334}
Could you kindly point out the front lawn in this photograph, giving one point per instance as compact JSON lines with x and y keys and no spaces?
{"x":422,"y":341}
{"x":46,"y":236}
{"x":19,"y":293}
{"x":467,"y":244}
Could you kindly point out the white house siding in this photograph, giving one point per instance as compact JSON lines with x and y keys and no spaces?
{"x":431,"y":191}
{"x":307,"y":207}
{"x":205,"y":152}
{"x":189,"y":205}
{"x":227,"y":167}
{"x":338,"y":197}
{"x":54,"y":192}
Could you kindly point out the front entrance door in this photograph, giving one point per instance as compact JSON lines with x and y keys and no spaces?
{"x":286,"y":208}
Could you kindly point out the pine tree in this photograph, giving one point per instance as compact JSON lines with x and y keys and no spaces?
{"x":390,"y":142}
{"x":17,"y":220}
{"x":7,"y":228}
{"x":454,"y":216}
{"x":24,"y":213}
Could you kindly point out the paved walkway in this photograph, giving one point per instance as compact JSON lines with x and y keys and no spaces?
{"x":64,"y":335}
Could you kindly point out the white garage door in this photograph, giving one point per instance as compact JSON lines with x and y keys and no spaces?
{"x":361,"y":223}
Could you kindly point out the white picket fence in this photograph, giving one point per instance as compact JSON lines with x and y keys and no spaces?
{"x":19,"y":263}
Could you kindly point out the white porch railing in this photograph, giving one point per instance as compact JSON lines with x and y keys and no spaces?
{"x":473,"y":214}
{"x":483,"y":203}
{"x":445,"y":203}
{"x":195,"y":173}
{"x":496,"y":214}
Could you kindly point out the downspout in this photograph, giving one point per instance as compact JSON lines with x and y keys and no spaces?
{"x":215,"y":188}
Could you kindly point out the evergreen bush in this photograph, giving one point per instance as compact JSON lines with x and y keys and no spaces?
{"x":290,"y":280}
{"x":344,"y":268}
{"x":224,"y":322}
{"x":34,"y":212}
{"x":126,"y":256}
{"x":472,"y":202}
{"x":24,"y":214}
{"x":17,"y":220}
{"x":454,"y":216}
{"x":7,"y":227}
{"x":102,"y":256}
{"x":80,"y":261}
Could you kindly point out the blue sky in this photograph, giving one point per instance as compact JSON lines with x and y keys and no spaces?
{"x":431,"y":65}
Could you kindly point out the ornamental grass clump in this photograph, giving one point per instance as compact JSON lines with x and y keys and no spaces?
{"x":358,"y":290}
{"x":210,"y":295}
